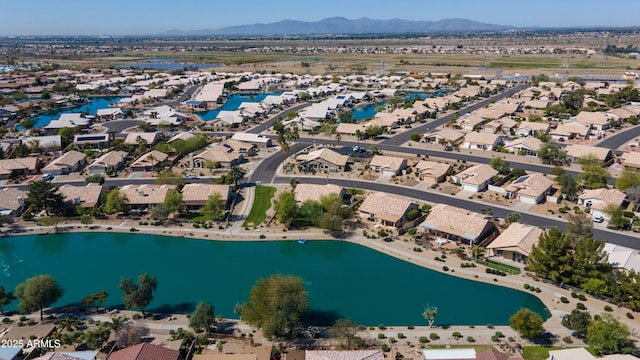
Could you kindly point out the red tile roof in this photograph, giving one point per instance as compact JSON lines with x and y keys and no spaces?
{"x":145,"y":351}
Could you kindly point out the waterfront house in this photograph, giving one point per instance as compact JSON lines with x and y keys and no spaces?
{"x":19,"y":166}
{"x":315,"y":192}
{"x":68,"y":120}
{"x":530,"y":189}
{"x":149,"y":138}
{"x":476,"y":178}
{"x":68,"y":355}
{"x":457,"y":224}
{"x":91,"y":141}
{"x":528,"y":146}
{"x":343,"y":355}
{"x":12,"y":201}
{"x":386,"y":209}
{"x":69,"y":162}
{"x":571,"y":354}
{"x":87,"y":196}
{"x":145,"y":351}
{"x":110,"y":114}
{"x":194,"y":196}
{"x":225,"y":356}
{"x":113,"y":161}
{"x":576,"y":151}
{"x":597,"y":201}
{"x":149,"y":161}
{"x":515,"y":242}
{"x":45,"y":143}
{"x":145,"y":195}
{"x":388,"y":165}
{"x":323,"y":160}
{"x":481,"y":141}
{"x":446,"y":354}
{"x":431,"y":171}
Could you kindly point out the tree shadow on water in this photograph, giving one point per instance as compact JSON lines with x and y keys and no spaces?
{"x":181,"y":308}
{"x":320,"y":317}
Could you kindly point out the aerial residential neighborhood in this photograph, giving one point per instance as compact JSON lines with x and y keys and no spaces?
{"x":338,"y":190}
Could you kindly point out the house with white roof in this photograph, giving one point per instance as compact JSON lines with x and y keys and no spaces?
{"x":69,"y":120}
{"x":571,"y":354}
{"x":258,"y":140}
{"x":529,"y":128}
{"x":515,"y":243}
{"x":622,"y":258}
{"x":91,"y":141}
{"x":110,"y":114}
{"x":476,"y":178}
{"x":343,"y":355}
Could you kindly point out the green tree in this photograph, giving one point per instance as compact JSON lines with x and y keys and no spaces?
{"x":500,"y":165}
{"x":310,"y":212}
{"x":202,"y":317}
{"x":43,"y":195}
{"x":173,"y":201}
{"x":595,"y":287}
{"x":37,"y":293}
{"x":416,"y":137}
{"x":593,"y":175}
{"x":115,"y":202}
{"x":170,"y":178}
{"x":577,"y":321}
{"x":607,"y":335}
{"x":590,"y":261}
{"x":95,"y":299}
{"x":578,"y":228}
{"x":345,"y":331}
{"x":334,"y":213}
{"x":96,"y":338}
{"x":573,"y":100}
{"x":276,"y":304}
{"x":550,"y":153}
{"x":236,"y":173}
{"x":551,"y":257}
{"x":628,"y":179}
{"x":213,"y":208}
{"x":67,"y":135}
{"x":569,"y":186}
{"x":117,"y":323}
{"x":94,"y":178}
{"x":527,"y":323}
{"x":5,"y":298}
{"x":138,"y":295}
{"x":512,"y":217}
{"x":286,"y":208}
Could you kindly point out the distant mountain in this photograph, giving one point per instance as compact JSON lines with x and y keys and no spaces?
{"x":341,"y":25}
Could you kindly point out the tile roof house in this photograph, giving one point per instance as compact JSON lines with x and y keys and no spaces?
{"x":69,"y":162}
{"x":23,"y":166}
{"x":68,"y":355}
{"x":631,"y":159}
{"x":388,"y":165}
{"x":304,"y":192}
{"x":571,"y":354}
{"x":449,"y":136}
{"x":12,"y":201}
{"x":476,"y":178}
{"x":148,"y":161}
{"x":87,"y":196}
{"x":515,"y":242}
{"x":113,"y":160}
{"x":598,"y":199}
{"x":530,"y":189}
{"x":196,"y":195}
{"x":528,"y":146}
{"x":481,"y":141}
{"x":255,"y":139}
{"x":344,"y":355}
{"x":572,"y":130}
{"x":145,"y":195}
{"x":224,"y":154}
{"x":596,"y":120}
{"x":386,"y":209}
{"x":470,"y":122}
{"x":504,"y":125}
{"x":151,"y":138}
{"x":577,"y":151}
{"x":529,"y":128}
{"x":145,"y":351}
{"x":323,"y":160}
{"x":454,"y":223}
{"x":431,"y":171}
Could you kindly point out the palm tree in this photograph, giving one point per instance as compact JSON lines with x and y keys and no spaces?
{"x":43,"y":195}
{"x":236,"y":174}
{"x":338,"y":137}
{"x":477,"y":251}
{"x":117,"y":323}
{"x":69,"y":324}
{"x":293,"y":182}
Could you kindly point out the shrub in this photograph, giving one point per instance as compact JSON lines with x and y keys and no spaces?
{"x":630,"y":316}
{"x":410,"y":327}
{"x":564,"y":300}
{"x":608,"y":308}
{"x":456,"y":334}
{"x":382,"y":327}
{"x":137,"y":316}
{"x":23,"y":318}
{"x":6,"y":320}
{"x":133,"y":229}
{"x":31,"y":322}
{"x":580,"y":306}
{"x":538,"y":290}
{"x":445,"y":268}
{"x":574,"y":295}
{"x":499,"y":334}
{"x":470,"y":339}
{"x":495,"y":338}
{"x":385,"y":348}
{"x":567,"y":339}
{"x":392,"y":340}
{"x":262,"y":236}
{"x":434,"y":336}
{"x":581,"y":297}
{"x":526,"y":286}
{"x":382,"y":233}
{"x":423,"y":340}
{"x":381,"y":336}
{"x":401,"y":336}
{"x":412,"y":231}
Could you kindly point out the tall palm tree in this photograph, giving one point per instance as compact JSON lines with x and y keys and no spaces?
{"x":117,"y":323}
{"x":236,"y":174}
{"x":69,"y":324}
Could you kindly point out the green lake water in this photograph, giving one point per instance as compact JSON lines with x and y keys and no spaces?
{"x":344,"y":280}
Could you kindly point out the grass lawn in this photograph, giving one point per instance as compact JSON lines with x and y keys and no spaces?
{"x":261,"y":203}
{"x":503,"y":267}
{"x":478,"y":348}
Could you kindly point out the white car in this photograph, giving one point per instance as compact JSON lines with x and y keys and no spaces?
{"x":190,"y":177}
{"x":598,"y":219}
{"x":47,"y":176}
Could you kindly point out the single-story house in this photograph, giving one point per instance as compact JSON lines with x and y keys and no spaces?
{"x":87,"y":196}
{"x":622,"y":258}
{"x":113,"y":160}
{"x":68,"y":355}
{"x":315,"y":192}
{"x":481,"y":141}
{"x":12,"y":201}
{"x":386,"y":209}
{"x":388,"y":165}
{"x":323,"y":160}
{"x":148,"y":161}
{"x":515,"y":242}
{"x":254,"y":139}
{"x":528,"y":128}
{"x":571,"y":354}
{"x":576,"y":151}
{"x":504,"y":125}
{"x":631,"y":159}
{"x":223,"y":154}
{"x":598,"y":199}
{"x":91,"y":141}
{"x":431,"y":171}
{"x":151,"y":138}
{"x":530,"y":189}
{"x":596,"y":120}
{"x":69,"y":162}
{"x":145,"y":351}
{"x":457,"y":224}
{"x":194,"y":196}
{"x":470,"y":122}
{"x":343,"y":355}
{"x":145,"y":195}
{"x":476,"y":178}
{"x":528,"y":146}
{"x":46,"y":143}
{"x":350,"y":129}
{"x":444,"y":136}
{"x":110,"y":114}
{"x":572,"y":130}
{"x":19,"y":166}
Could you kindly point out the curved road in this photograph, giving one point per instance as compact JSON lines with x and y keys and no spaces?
{"x":617,"y":140}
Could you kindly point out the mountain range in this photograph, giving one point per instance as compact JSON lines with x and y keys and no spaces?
{"x":341,"y":25}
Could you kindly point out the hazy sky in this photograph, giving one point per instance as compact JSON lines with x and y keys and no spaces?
{"x":122,"y":17}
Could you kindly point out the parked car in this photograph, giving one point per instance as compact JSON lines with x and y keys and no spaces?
{"x":47,"y":176}
{"x":598,"y":219}
{"x":190,"y":177}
